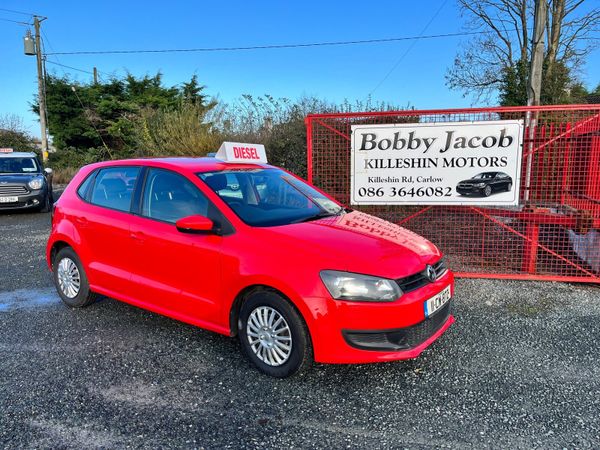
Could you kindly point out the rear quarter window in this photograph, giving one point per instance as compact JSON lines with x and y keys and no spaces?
{"x":82,"y":190}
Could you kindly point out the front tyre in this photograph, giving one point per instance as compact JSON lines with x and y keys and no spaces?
{"x":273,"y":335}
{"x":70,"y":279}
{"x":46,"y":205}
{"x":487,"y":191}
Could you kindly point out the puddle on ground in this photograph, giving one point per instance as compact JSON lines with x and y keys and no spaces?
{"x":27,"y":298}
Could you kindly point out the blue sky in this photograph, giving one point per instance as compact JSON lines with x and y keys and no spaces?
{"x":333,"y":73}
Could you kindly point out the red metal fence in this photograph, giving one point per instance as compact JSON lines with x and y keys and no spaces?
{"x":554,"y":232}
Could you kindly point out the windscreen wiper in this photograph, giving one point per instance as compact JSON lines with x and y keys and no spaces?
{"x":318,"y":216}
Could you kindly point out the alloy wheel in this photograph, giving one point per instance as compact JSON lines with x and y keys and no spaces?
{"x":269,"y":336}
{"x":69,"y":279}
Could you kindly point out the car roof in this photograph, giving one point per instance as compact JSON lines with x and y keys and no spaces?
{"x":202,"y":164}
{"x":18,"y":155}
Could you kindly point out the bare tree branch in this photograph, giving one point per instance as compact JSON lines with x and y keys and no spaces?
{"x":478,"y":70}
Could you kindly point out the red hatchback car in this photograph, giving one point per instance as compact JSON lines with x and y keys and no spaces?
{"x":248,"y":249}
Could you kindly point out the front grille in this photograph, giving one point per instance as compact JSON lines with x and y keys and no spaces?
{"x":13,"y":190}
{"x":419,"y":333}
{"x":418,"y":280}
{"x":465,"y":185}
{"x":402,"y":338}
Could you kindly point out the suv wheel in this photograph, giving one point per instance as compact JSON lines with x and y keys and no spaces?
{"x":273,"y":335}
{"x":70,"y":279}
{"x":47,"y":205}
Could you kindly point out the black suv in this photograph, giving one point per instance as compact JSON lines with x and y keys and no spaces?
{"x":23,"y":182}
{"x":485,"y":184}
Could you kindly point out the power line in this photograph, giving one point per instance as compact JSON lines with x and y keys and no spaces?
{"x":15,"y":21}
{"x":409,"y":49}
{"x":57,"y":62}
{"x":269,"y":47}
{"x":17,"y":12}
{"x":68,"y":67}
{"x":77,"y":69}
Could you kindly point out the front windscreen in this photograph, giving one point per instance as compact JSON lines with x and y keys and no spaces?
{"x":269,"y":197}
{"x":18,"y":165}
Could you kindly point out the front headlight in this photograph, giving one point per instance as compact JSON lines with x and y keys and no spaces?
{"x":480,"y":185}
{"x":36,"y":183}
{"x":360,"y":288}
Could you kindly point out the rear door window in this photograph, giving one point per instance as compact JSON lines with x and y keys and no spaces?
{"x":113,"y":187}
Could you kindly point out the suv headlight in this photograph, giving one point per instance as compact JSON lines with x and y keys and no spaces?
{"x":36,"y":183}
{"x":360,"y":288}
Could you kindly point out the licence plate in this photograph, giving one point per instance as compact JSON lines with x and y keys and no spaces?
{"x":437,"y":301}
{"x":9,"y":199}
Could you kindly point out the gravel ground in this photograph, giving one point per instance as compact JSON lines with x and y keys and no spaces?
{"x":519,"y":369}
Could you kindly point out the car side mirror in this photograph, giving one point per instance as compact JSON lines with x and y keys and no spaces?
{"x":195,"y":224}
{"x":48,"y":171}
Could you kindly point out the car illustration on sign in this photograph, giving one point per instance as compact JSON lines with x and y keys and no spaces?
{"x":485,"y":184}
{"x":239,"y":247}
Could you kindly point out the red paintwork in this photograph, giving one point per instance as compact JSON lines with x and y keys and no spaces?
{"x":195,"y":223}
{"x":195,"y":278}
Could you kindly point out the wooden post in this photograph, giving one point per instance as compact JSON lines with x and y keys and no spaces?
{"x":534,"y":85}
{"x":41,"y":89}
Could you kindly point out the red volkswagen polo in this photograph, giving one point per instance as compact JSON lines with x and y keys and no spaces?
{"x":242,"y":248}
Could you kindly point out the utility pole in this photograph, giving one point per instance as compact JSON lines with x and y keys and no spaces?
{"x":41,"y":88}
{"x":534,"y":85}
{"x":95,"y":75}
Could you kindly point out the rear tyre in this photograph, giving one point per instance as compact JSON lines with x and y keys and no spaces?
{"x":273,"y":335}
{"x":70,"y":279}
{"x":487,"y":191}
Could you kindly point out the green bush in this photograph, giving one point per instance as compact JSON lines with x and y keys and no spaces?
{"x":72,"y":157}
{"x":180,"y":131}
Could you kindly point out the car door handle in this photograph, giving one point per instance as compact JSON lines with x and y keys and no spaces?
{"x":137,"y":236}
{"x":81,"y":221}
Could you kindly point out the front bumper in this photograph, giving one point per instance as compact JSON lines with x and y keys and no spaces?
{"x":353,"y":332}
{"x":400,"y":338}
{"x":33,"y":199}
{"x":470,"y":191}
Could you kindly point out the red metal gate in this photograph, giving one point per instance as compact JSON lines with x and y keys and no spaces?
{"x":554,"y":233}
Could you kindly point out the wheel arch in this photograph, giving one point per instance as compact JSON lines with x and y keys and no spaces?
{"x":63,"y":234}
{"x":236,"y":306}
{"x":57,"y":246}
